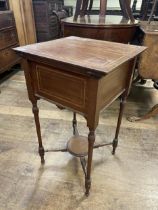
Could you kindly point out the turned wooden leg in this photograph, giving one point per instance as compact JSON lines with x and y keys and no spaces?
{"x":74,"y":124}
{"x":91,"y":140}
{"x":128,"y":9}
{"x":123,"y":9}
{"x":90,"y":5}
{"x":103,"y":7}
{"x":151,"y":113}
{"x":84,"y":7}
{"x":78,"y":9}
{"x":115,"y":141}
{"x":38,"y":129}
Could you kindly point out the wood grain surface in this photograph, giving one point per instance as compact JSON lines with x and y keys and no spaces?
{"x":98,"y":56}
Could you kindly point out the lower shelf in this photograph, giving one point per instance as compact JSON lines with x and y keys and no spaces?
{"x":78,"y":146}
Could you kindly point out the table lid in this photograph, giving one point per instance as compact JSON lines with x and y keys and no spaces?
{"x":88,"y":55}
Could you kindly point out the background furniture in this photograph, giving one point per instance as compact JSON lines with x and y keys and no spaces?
{"x":148,"y":63}
{"x":24,"y":19}
{"x":85,"y":76}
{"x":4,"y":5}
{"x":109,"y":28}
{"x":8,"y":40}
{"x":48,"y":14}
{"x":84,"y":7}
{"x":146,"y":9}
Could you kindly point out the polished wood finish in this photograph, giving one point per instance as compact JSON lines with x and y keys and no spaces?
{"x":109,"y":28}
{"x":24,"y":18}
{"x":75,"y":73}
{"x":8,"y":40}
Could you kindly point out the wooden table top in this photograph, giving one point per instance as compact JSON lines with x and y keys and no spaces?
{"x":88,"y":54}
{"x":108,"y":20}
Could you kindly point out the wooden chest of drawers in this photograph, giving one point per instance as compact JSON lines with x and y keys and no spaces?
{"x":8,"y":40}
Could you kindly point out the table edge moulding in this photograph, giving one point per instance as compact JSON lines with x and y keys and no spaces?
{"x":85,"y":76}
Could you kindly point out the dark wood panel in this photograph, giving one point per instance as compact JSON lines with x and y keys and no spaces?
{"x":72,"y":90}
{"x":112,"y":28}
{"x":47,"y":16}
{"x":106,"y":85}
{"x":108,"y":34}
{"x":8,"y":37}
{"x":7,"y":59}
{"x":6,"y":19}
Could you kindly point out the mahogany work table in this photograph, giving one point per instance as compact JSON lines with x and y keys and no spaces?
{"x":83,"y":75}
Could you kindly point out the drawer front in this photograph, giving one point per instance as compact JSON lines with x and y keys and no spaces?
{"x":60,"y":87}
{"x":7,"y":58}
{"x":6,"y":19}
{"x":8,"y":38}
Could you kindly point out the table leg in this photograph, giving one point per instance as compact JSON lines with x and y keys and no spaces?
{"x":129,"y":11}
{"x":122,"y":105}
{"x":35,"y":111}
{"x":103,"y":7}
{"x":78,"y":9}
{"x":91,"y":140}
{"x":123,"y":8}
{"x":74,"y":123}
{"x":90,"y":5}
{"x":84,"y":7}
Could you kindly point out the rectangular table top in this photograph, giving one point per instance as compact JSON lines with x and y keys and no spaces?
{"x":88,"y":54}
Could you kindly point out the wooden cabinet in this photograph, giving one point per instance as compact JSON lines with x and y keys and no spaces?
{"x":8,"y":40}
{"x":48,"y":14}
{"x":148,"y":65}
{"x":47,"y":26}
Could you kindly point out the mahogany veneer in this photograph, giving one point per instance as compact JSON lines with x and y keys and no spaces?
{"x":83,"y":75}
